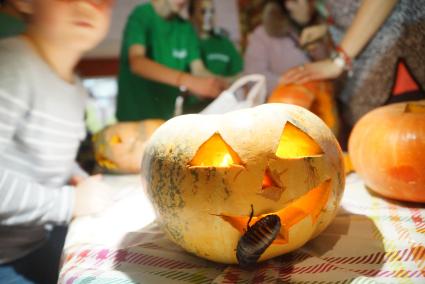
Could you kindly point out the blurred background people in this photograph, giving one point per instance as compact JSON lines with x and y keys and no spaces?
{"x":218,"y":53}
{"x":371,"y":37}
{"x":160,"y":58}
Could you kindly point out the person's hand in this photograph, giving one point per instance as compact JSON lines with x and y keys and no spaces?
{"x":312,"y":34}
{"x":75,"y":180}
{"x":320,"y":70}
{"x":92,"y":196}
{"x":208,"y":87}
{"x":318,"y":50}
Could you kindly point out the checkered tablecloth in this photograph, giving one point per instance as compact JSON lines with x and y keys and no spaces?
{"x":371,"y":240}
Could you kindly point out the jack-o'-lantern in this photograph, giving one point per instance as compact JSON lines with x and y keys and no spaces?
{"x":218,"y":181}
{"x":387,"y":149}
{"x":119,"y":148}
{"x":316,"y":96}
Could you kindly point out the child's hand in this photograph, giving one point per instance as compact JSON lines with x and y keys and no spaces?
{"x":75,"y":180}
{"x":312,"y":34}
{"x":92,"y":196}
{"x":209,"y":87}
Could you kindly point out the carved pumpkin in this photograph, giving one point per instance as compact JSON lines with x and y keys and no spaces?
{"x":316,"y":96}
{"x":208,"y":174}
{"x":387,"y":149}
{"x":119,"y":148}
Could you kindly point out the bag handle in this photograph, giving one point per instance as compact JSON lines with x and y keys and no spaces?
{"x":258,"y":88}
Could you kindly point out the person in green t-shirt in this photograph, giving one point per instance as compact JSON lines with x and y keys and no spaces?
{"x":12,"y":14}
{"x":160,"y":58}
{"x":217,"y":52}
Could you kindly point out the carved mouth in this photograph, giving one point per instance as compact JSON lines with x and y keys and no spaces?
{"x":308,"y":205}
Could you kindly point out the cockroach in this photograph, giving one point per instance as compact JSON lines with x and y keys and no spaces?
{"x":257,"y":239}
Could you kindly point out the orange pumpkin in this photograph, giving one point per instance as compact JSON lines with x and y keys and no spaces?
{"x":316,"y":96}
{"x":213,"y":178}
{"x":119,"y":148}
{"x":387,"y":149}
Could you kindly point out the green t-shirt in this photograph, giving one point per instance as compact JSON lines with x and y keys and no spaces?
{"x":172,"y":43}
{"x":220,"y":56}
{"x":10,"y":26}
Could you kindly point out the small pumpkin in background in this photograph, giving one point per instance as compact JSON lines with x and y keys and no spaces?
{"x":119,"y":148}
{"x":387,"y":149}
{"x":316,"y":96}
{"x":244,"y":186}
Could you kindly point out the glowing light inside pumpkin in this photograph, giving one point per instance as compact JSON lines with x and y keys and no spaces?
{"x":414,"y":108}
{"x":310,"y":204}
{"x":267,"y":180}
{"x":115,"y":140}
{"x":294,"y":143}
{"x":227,"y":160}
{"x":215,"y":152}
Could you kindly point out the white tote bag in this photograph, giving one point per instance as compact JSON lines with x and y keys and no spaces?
{"x":235,"y":98}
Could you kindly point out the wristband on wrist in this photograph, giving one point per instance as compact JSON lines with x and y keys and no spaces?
{"x":179,"y":84}
{"x":342,"y":59}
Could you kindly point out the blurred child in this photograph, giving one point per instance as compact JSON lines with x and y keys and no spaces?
{"x":218,"y":53}
{"x":273,"y":46}
{"x":41,"y":126}
{"x":12,"y":14}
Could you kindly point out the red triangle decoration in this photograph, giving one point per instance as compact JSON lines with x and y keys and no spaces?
{"x":404,"y":81}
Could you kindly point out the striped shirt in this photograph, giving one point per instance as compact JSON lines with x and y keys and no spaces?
{"x":41,"y":127}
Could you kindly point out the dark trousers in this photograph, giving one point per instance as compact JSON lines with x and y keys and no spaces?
{"x":41,"y":266}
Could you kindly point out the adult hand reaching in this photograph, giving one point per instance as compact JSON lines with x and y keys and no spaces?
{"x":208,"y":87}
{"x":321,"y":70}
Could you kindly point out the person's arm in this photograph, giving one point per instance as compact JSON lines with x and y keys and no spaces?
{"x":22,"y":200}
{"x":27,"y":203}
{"x":198,"y":68}
{"x":203,"y":84}
{"x":369,"y":18}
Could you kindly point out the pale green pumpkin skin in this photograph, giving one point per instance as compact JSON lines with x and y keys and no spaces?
{"x":188,"y":200}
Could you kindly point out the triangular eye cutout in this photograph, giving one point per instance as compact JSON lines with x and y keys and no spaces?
{"x":294,"y":143}
{"x":215,"y":152}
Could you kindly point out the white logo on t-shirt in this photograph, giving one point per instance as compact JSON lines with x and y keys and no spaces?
{"x":180,"y":54}
{"x":218,"y":57}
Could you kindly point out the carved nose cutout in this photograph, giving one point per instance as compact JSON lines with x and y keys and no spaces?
{"x":268,"y":180}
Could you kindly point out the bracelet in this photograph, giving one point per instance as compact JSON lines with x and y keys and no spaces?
{"x":342,"y":59}
{"x":179,"y":84}
{"x":347,"y":58}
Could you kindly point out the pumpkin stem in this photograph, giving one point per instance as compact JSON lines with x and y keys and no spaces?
{"x":414,"y":108}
